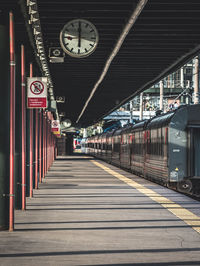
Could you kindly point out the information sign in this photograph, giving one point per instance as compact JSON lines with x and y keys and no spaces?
{"x":55,"y":126}
{"x":37,"y":93}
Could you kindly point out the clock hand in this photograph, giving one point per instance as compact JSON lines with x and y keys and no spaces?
{"x":71,"y":38}
{"x":79,"y":34}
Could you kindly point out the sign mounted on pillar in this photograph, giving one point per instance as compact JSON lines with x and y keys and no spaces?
{"x":55,"y":127}
{"x":36,"y":92}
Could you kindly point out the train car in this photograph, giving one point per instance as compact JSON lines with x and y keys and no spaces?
{"x":102,"y":146}
{"x":124,"y":148}
{"x":109,"y":146}
{"x":157,"y":163}
{"x":165,"y":148}
{"x":116,"y":146}
{"x":138,"y":148}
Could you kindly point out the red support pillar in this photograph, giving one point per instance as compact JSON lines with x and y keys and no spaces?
{"x":40,"y":148}
{"x":47,"y":151}
{"x":48,"y":144}
{"x":31,"y":142}
{"x":12,"y":122}
{"x":43,"y":146}
{"x":45,"y":143}
{"x":23,"y":114}
{"x":36,"y":149}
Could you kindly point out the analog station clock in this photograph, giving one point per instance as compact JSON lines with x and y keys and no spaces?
{"x":79,"y":38}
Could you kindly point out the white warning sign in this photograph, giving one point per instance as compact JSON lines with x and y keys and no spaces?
{"x":55,"y":126}
{"x":36,"y":93}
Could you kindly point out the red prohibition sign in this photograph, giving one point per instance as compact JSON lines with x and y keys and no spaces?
{"x":55,"y":124}
{"x":37,"y":87}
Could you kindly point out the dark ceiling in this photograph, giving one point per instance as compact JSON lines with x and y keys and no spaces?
{"x":166,"y":35}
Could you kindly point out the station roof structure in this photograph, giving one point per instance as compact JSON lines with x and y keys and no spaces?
{"x":164,"y":36}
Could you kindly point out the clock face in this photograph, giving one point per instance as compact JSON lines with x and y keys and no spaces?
{"x":79,"y":38}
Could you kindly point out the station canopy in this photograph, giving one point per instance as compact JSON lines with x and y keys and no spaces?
{"x":164,"y":36}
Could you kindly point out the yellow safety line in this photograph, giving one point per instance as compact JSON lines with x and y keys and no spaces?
{"x":180,"y":212}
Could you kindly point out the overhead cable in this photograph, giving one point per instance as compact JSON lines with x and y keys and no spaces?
{"x":140,"y":6}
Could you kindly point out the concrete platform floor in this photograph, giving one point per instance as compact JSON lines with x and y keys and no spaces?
{"x":82,"y":215}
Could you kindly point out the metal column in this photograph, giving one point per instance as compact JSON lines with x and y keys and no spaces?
{"x":31,"y":142}
{"x":12,"y":122}
{"x":4,"y":130}
{"x":23,"y":128}
{"x":161,"y":95}
{"x":141,"y":105}
{"x":36,"y":149}
{"x":40,"y":147}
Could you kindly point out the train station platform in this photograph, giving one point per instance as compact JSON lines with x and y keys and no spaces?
{"x":87,"y":212}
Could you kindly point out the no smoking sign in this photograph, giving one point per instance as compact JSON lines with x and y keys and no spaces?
{"x":37,"y":87}
{"x":55,"y":126}
{"x":37,"y":93}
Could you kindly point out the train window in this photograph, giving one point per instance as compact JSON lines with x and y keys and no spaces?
{"x":116,"y":143}
{"x":116,"y":147}
{"x":137,"y":143}
{"x":155,"y":142}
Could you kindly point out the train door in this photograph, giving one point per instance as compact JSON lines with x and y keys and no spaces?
{"x":194,"y":151}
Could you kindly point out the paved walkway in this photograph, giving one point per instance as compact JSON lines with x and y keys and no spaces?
{"x":84,"y":215}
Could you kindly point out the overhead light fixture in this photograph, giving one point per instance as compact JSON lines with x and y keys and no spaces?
{"x":40,"y":48}
{"x":36,"y":32}
{"x":38,"y":41}
{"x":34,"y":19}
{"x":35,"y":24}
{"x":32,"y":9}
{"x":51,"y":90}
{"x":31,"y":2}
{"x":38,"y":37}
{"x":66,"y":123}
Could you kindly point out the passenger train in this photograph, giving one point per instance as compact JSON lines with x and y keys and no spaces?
{"x":165,"y":149}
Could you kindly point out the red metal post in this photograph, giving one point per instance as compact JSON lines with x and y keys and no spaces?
{"x":43,"y":148}
{"x":40,"y":148}
{"x":36,"y":149}
{"x":45,"y":141}
{"x":50,"y":140}
{"x":23,"y":110}
{"x":31,"y":142}
{"x":47,"y":146}
{"x":47,"y":153}
{"x":12,"y":121}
